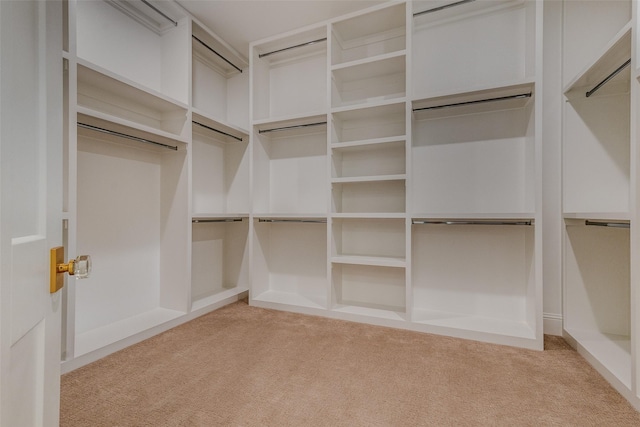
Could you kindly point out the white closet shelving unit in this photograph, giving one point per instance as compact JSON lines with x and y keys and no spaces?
{"x":394,"y":177}
{"x":476,"y":170}
{"x":289,"y":195}
{"x":598,"y":180}
{"x":138,"y":177}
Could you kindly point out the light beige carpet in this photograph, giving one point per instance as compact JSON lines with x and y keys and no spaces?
{"x":246,"y":366}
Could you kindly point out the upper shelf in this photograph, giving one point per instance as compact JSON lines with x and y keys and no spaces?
{"x":477,"y":101}
{"x":110,"y":95}
{"x":215,"y":52}
{"x":225,"y":132}
{"x":614,"y":55}
{"x":298,"y":45}
{"x":375,"y":33}
{"x":427,"y":12}
{"x":158,"y":16}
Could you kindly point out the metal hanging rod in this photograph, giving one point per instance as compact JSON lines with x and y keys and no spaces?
{"x":197,"y":221}
{"x":218,"y":131}
{"x":609,"y":77}
{"x":479,"y":101}
{"x":175,"y":24}
{"x":468,"y":222}
{"x":292,"y":127}
{"x":124,"y":135}
{"x":608,"y":224}
{"x":262,"y":55}
{"x":306,"y":221}
{"x":446,"y":6}
{"x":212,"y":50}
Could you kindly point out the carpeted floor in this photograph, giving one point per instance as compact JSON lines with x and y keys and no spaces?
{"x":246,"y":366}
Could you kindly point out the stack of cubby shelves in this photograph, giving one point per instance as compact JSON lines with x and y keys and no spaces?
{"x":598,"y":188}
{"x":396,"y":177}
{"x":156,"y":172}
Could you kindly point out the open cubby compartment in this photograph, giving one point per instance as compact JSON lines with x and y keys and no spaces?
{"x":132,"y":40}
{"x":592,"y":44}
{"x":367,"y":35}
{"x":220,"y":168}
{"x":475,"y":277}
{"x":387,"y":120}
{"x":133,"y":218}
{"x":369,"y":290}
{"x":290,"y":262}
{"x":385,"y":156}
{"x":369,"y":241}
{"x":289,"y":75}
{"x":106,"y":96}
{"x":219,"y":259}
{"x":378,"y":196}
{"x":596,"y":138}
{"x":220,"y":79}
{"x":597,"y":308}
{"x":290,"y":166}
{"x":475,"y":163}
{"x":472,"y":45}
{"x":370,"y":80}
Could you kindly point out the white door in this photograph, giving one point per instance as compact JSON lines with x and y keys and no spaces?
{"x":30,"y":210}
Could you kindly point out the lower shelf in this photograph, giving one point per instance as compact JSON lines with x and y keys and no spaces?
{"x":290,"y":298}
{"x":205,"y":301}
{"x":611,"y":351}
{"x":103,"y":336}
{"x":473,"y":323}
{"x":370,"y":312}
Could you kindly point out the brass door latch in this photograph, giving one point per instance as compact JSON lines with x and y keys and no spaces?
{"x":79,"y":267}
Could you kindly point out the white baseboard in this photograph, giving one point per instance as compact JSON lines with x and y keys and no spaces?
{"x":552,"y":324}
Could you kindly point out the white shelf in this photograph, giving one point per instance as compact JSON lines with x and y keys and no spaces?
{"x":206,"y":119}
{"x":613,"y":216}
{"x":380,"y":32}
{"x":101,"y":337}
{"x":366,"y":143}
{"x":462,"y":321}
{"x":613,"y":352}
{"x":94,"y":76}
{"x":210,"y":300}
{"x":377,"y":178}
{"x":482,"y":100}
{"x":369,"y":215}
{"x":615,"y":53}
{"x":305,"y":216}
{"x":518,"y":216}
{"x":370,"y":312}
{"x":463,"y":10}
{"x":369,"y":260}
{"x":372,"y":122}
{"x":289,"y":298}
{"x":382,"y":66}
{"x":111,"y":98}
{"x":362,"y":110}
{"x":112,"y":123}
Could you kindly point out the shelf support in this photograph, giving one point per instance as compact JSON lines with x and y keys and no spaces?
{"x":609,"y":77}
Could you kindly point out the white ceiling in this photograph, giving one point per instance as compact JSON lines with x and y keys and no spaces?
{"x":239,"y":22}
